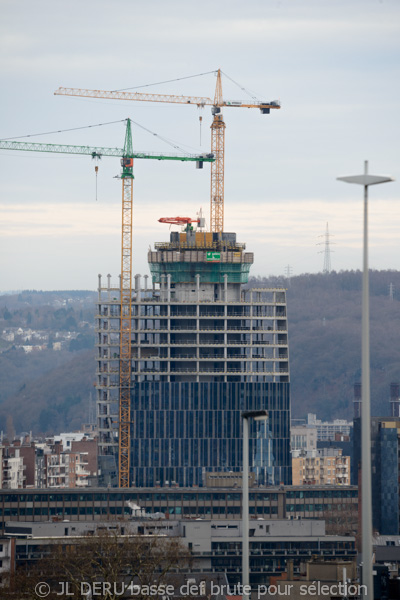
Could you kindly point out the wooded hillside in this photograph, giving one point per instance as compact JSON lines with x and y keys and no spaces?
{"x":50,"y":391}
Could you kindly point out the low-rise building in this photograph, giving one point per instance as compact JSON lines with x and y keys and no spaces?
{"x":216,"y":545}
{"x":321,"y":579}
{"x":101,"y":504}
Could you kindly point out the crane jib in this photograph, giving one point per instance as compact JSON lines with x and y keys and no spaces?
{"x":98,"y":151}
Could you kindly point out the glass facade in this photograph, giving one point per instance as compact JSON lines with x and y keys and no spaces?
{"x":389,"y":468}
{"x":385,"y":467}
{"x":181,"y":430}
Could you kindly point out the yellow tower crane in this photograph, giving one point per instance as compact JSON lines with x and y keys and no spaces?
{"x":217,"y":131}
{"x":125,"y":342}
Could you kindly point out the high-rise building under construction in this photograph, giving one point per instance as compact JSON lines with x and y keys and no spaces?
{"x":204,"y":348}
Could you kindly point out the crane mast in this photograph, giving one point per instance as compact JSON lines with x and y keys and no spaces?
{"x":125,"y":313}
{"x":217,"y":130}
{"x":218,"y":167}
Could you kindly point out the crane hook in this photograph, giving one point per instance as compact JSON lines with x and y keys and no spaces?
{"x":200,"y":119}
{"x":96,"y":156}
{"x":96,"y":170}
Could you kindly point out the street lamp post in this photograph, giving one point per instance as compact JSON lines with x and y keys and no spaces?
{"x":257,"y":415}
{"x":366,"y":506}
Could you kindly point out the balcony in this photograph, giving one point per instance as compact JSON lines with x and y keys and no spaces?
{"x":202,"y":371}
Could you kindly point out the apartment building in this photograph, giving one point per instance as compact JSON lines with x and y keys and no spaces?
{"x":326,"y":466}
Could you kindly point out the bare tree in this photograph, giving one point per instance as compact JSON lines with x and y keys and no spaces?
{"x":103,"y":565}
{"x":343,"y":520}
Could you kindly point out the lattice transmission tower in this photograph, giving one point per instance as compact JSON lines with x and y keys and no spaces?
{"x":327,"y":250}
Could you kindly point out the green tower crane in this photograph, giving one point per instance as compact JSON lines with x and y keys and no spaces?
{"x":127,"y":155}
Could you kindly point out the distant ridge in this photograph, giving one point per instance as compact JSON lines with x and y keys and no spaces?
{"x":49,"y":392}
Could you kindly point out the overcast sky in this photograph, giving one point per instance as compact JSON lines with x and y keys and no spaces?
{"x":334,"y":65}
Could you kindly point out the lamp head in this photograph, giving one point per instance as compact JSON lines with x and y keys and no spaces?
{"x":366,"y":179}
{"x":257,"y":415}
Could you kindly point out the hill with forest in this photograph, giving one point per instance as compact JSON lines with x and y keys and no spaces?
{"x":46,"y":360}
{"x":50,"y":389}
